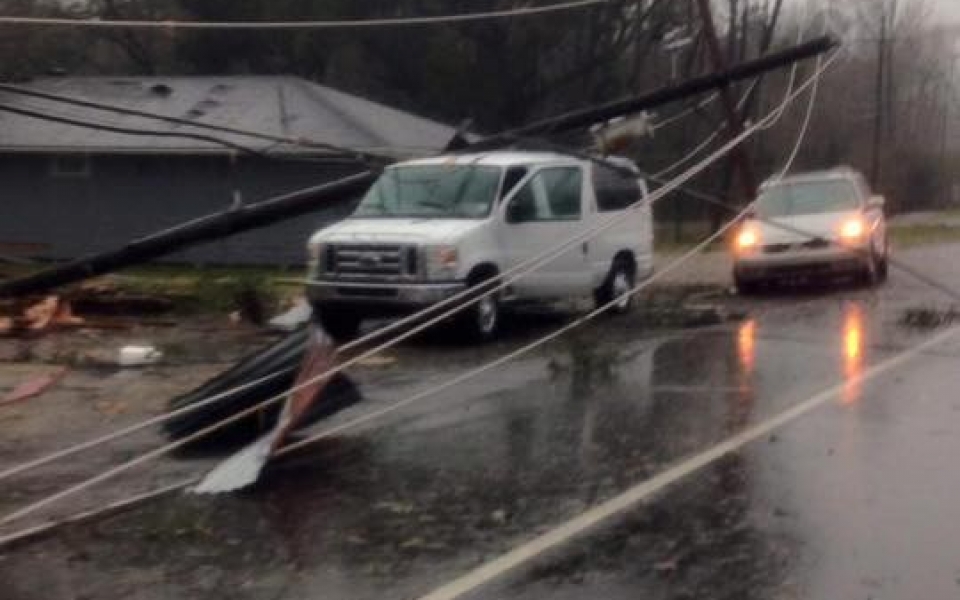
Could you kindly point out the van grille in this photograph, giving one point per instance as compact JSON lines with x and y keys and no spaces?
{"x":371,"y":261}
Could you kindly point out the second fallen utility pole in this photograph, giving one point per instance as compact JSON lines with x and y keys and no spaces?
{"x":878,"y":117}
{"x":738,"y":157}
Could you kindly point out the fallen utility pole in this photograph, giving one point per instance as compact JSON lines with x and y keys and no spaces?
{"x":579,"y":119}
{"x":267,"y":212}
{"x":214,"y":226}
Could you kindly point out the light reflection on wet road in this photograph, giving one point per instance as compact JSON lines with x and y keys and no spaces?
{"x":840,"y":504}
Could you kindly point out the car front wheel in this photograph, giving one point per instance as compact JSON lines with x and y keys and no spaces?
{"x":870,"y":271}
{"x":745,"y":287}
{"x":883,"y":266}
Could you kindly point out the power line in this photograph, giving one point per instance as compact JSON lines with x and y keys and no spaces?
{"x":342,"y":154}
{"x":172,"y":24}
{"x":696,"y":107}
{"x":395,"y":326}
{"x":122,"y":110}
{"x":521,"y":270}
{"x":464,"y":299}
{"x":45,"y":116}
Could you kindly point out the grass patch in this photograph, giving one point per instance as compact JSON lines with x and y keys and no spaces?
{"x":905,"y":236}
{"x":254,"y":291}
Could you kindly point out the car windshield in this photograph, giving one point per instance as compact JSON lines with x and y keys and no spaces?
{"x":432,"y":191}
{"x":807,"y":198}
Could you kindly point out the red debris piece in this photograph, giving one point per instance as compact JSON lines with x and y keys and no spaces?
{"x":33,"y":387}
{"x":50,"y":312}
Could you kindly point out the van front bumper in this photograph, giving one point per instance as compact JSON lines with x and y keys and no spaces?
{"x":385,"y":298}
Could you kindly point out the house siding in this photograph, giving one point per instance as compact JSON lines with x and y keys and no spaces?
{"x":54,"y":213}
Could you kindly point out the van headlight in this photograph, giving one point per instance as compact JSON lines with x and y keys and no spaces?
{"x":442,"y":261}
{"x":315,"y":252}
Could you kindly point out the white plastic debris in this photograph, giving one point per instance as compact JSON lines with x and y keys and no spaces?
{"x":299,"y":314}
{"x":240,"y":470}
{"x":139,"y":356}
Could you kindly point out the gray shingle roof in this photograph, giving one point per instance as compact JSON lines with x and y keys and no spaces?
{"x":277,"y":105}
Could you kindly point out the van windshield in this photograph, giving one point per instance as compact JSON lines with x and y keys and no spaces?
{"x":807,"y":198}
{"x":432,"y":191}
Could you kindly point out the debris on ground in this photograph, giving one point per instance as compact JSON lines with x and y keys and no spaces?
{"x":263,"y":374}
{"x":295,"y":317}
{"x":34,"y":316}
{"x":33,"y":387}
{"x":929,"y":318}
{"x":111,"y":408}
{"x":138,"y":356}
{"x":108,"y":298}
{"x":243,"y":468}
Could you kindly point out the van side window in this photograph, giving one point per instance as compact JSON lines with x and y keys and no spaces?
{"x":529,"y":204}
{"x":550,"y":195}
{"x":563,"y":187}
{"x":615,"y":190}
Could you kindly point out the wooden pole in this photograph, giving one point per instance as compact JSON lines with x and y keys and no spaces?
{"x":738,"y":157}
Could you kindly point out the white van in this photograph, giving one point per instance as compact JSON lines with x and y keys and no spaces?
{"x":428,"y":229}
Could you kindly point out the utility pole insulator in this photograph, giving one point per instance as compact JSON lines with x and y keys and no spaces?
{"x":616,"y":134}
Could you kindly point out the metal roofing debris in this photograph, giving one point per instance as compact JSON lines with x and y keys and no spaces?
{"x":275,"y":105}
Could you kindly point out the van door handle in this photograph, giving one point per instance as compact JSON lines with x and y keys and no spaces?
{"x":584,"y":247}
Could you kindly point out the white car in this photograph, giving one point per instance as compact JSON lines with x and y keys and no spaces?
{"x":429,"y":229}
{"x":812,"y":225}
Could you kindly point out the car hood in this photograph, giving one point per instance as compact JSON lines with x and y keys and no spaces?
{"x":801,"y":227}
{"x":403,"y":231}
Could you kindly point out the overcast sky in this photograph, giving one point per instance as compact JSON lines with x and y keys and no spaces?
{"x":949,"y":8}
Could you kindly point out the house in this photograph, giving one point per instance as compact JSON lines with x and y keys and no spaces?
{"x":70,"y":190}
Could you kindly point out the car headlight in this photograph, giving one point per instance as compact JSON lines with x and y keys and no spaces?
{"x":442,"y":261}
{"x":748,"y":238}
{"x":852,"y":230}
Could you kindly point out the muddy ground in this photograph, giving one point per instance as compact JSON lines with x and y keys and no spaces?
{"x":419,"y":497}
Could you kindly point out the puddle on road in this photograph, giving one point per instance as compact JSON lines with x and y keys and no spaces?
{"x":394,"y":511}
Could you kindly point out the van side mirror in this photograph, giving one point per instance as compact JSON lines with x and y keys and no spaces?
{"x":877,"y":202}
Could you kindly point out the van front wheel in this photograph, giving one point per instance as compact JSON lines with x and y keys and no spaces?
{"x":621,"y":279}
{"x":481,"y":320}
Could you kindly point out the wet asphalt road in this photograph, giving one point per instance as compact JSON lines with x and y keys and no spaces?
{"x":857,"y":499}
